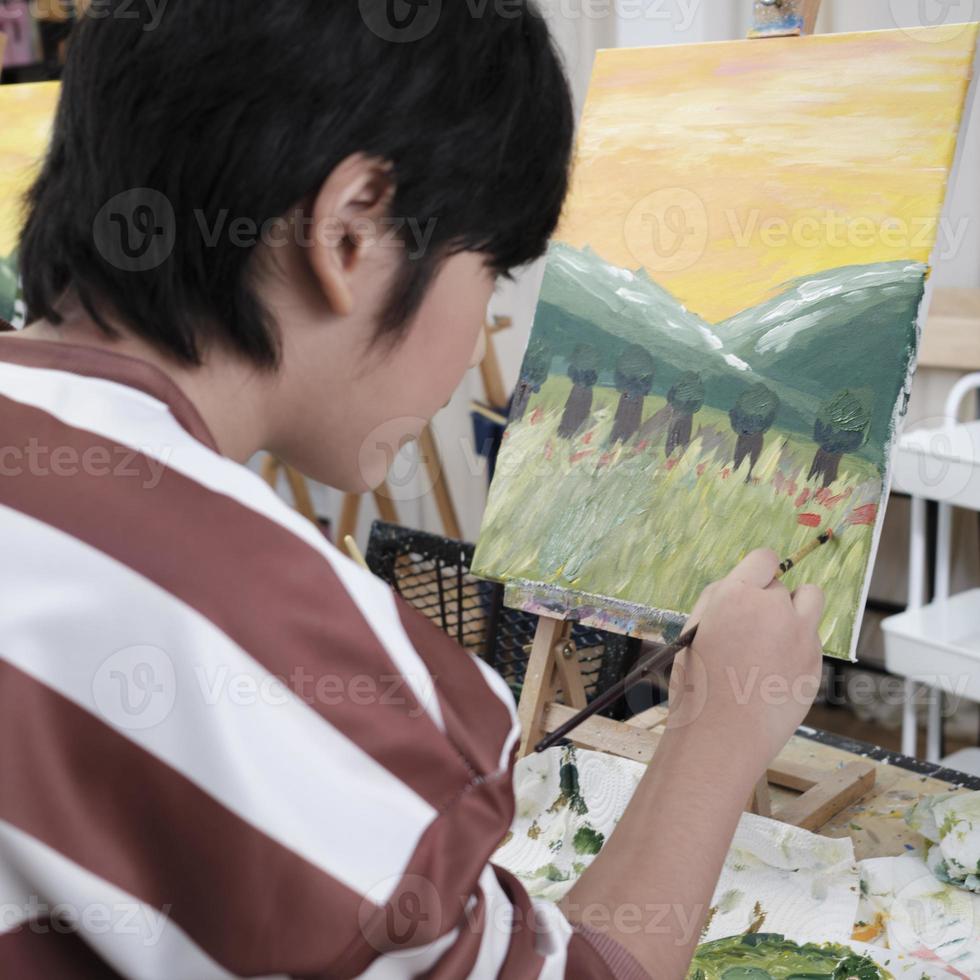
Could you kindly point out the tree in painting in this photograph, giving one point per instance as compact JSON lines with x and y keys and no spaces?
{"x":841,"y":427}
{"x":751,"y":418}
{"x":583,"y":369}
{"x":634,"y":379}
{"x":534,"y":373}
{"x":686,"y":399}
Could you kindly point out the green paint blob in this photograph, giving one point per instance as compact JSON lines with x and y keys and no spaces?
{"x":551,"y":872}
{"x":755,"y":410}
{"x":768,"y":956}
{"x":842,"y":424}
{"x":687,"y":395}
{"x":588,"y":841}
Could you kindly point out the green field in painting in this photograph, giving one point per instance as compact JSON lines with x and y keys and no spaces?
{"x":587,"y":500}
{"x":580,"y":516}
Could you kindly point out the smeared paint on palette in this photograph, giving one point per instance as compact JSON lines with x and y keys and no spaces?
{"x":723,"y":347}
{"x":568,"y":803}
{"x":756,"y":956}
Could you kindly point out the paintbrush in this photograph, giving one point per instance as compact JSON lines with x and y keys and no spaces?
{"x":665,"y":657}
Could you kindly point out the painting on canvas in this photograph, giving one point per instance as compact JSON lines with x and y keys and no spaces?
{"x":27,"y":112}
{"x":729,"y":319}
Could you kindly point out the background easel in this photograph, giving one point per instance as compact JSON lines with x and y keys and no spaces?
{"x":553,"y":665}
{"x":350,"y":508}
{"x":383,"y":500}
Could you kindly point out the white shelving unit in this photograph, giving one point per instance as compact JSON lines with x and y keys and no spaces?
{"x":937,"y":645}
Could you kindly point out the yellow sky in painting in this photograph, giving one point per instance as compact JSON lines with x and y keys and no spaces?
{"x":728,"y":169}
{"x":26,"y":115}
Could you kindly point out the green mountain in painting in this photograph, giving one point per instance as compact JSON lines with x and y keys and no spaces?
{"x":853,"y":327}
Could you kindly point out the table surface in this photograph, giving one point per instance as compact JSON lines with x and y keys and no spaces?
{"x":875,"y":823}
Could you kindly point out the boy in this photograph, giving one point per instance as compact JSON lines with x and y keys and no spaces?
{"x":226,"y":750}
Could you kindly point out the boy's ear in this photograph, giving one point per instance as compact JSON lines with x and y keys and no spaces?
{"x":346,"y":215}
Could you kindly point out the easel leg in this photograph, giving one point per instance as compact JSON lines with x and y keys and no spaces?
{"x":349,"y":512}
{"x":301,"y":494}
{"x":761,"y":802}
{"x":386,"y":506}
{"x":271,"y":469}
{"x":540,"y":680}
{"x":570,"y":674}
{"x":444,"y":502}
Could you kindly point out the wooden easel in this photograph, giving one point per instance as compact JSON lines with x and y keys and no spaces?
{"x":272,"y":467}
{"x":383,"y":500}
{"x":553,"y":665}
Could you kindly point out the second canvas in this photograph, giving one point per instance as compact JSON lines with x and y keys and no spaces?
{"x":723,"y":346}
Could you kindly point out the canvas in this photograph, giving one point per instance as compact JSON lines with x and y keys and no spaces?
{"x":729,"y":319}
{"x":27,"y":112}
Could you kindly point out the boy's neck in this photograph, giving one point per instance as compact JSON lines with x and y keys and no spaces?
{"x":233,"y":398}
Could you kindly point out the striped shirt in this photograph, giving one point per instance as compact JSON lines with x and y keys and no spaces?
{"x":225,"y":749}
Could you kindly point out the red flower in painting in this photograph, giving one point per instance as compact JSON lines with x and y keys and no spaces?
{"x":701,"y":468}
{"x":536,"y":416}
{"x":640,"y":446}
{"x":864,"y":515}
{"x":809,"y":520}
{"x":803,"y":497}
{"x":671,"y":463}
{"x":587,"y":438}
{"x":725,"y":473}
{"x":582,"y":455}
{"x":605,"y":459}
{"x":549,"y":450}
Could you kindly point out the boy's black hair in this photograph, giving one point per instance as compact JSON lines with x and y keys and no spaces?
{"x":226,"y":110}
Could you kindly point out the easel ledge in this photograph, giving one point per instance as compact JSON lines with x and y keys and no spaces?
{"x":553,"y":665}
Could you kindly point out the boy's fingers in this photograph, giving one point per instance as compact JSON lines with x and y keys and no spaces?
{"x":809,"y":601}
{"x":758,"y":568}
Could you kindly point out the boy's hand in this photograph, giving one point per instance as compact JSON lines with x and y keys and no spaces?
{"x":754,"y":669}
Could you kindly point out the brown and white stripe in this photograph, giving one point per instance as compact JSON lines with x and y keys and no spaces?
{"x":226,"y":750}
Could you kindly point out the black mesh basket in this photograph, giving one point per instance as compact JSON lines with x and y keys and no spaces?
{"x":433,"y":574}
